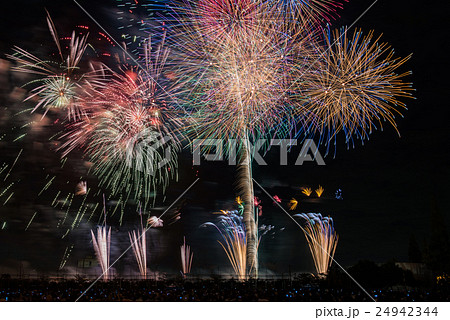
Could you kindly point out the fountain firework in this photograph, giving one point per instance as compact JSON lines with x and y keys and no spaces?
{"x":102,"y":246}
{"x":139,"y":244}
{"x":322,"y":240}
{"x":186,"y":258}
{"x":234,"y":235}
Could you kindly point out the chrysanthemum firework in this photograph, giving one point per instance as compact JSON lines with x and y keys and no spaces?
{"x":128,"y":133}
{"x":222,"y":18}
{"x":235,"y":62}
{"x":356,"y":88}
{"x":235,"y":76}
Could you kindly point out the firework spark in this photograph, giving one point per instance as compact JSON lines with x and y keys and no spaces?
{"x":293,"y":204}
{"x":258,"y":206}
{"x":306,"y":191}
{"x":276,"y":199}
{"x":155,"y":222}
{"x":81,"y":188}
{"x":319,"y":191}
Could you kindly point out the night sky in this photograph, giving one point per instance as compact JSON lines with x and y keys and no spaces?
{"x":389,"y":184}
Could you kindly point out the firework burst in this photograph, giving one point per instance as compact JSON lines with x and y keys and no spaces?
{"x":235,"y":80}
{"x":221,"y":18}
{"x":60,"y":82}
{"x":234,"y":64}
{"x":128,"y":133}
{"x":357,"y":88}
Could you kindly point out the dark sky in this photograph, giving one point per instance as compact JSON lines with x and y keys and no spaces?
{"x":389,"y":183}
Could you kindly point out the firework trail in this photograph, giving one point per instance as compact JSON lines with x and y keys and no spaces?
{"x":102,"y":246}
{"x":322,"y":240}
{"x":186,"y":258}
{"x":31,"y":220}
{"x":139,"y":246}
{"x":66,"y":256}
{"x":6,"y":169}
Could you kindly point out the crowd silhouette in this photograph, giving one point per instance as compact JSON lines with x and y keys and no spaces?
{"x":204,"y":290}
